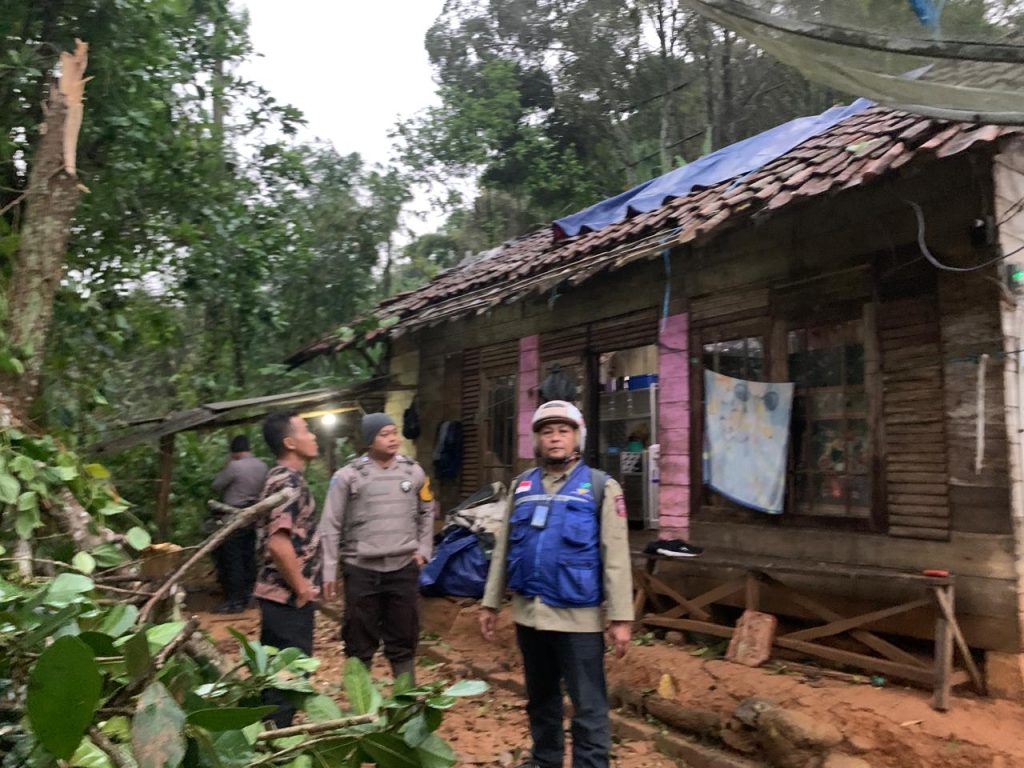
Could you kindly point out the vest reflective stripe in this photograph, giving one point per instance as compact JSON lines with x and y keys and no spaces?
{"x":561,"y":562}
{"x":380,"y":518}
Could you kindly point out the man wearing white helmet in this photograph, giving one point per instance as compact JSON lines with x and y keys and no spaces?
{"x":563,"y":551}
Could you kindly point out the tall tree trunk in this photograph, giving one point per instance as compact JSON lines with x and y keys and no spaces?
{"x":50,"y":202}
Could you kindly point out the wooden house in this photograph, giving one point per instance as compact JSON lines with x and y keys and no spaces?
{"x":874,"y":265}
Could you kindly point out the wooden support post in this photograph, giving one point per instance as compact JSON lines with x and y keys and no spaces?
{"x":163,"y":497}
{"x":753,"y":593}
{"x":945,"y":599}
{"x":943,"y":649}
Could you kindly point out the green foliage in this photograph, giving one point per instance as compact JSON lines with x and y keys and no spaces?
{"x":63,"y":691}
{"x":187,"y":708}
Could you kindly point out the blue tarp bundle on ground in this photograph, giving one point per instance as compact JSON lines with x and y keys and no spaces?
{"x":726,"y":163}
{"x":458,"y":568}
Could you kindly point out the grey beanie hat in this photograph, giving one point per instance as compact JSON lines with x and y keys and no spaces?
{"x":374,"y":423}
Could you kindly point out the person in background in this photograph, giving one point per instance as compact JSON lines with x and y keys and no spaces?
{"x":378,"y":520}
{"x":289,"y":546}
{"x":240,"y":483}
{"x":563,"y":553}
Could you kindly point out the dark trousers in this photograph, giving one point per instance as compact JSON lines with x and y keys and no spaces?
{"x":382,"y":606}
{"x":284,"y":626}
{"x":236,"y":565}
{"x":578,"y":659}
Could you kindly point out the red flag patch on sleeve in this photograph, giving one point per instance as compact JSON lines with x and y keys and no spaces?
{"x":620,"y":505}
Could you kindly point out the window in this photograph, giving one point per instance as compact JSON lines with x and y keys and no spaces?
{"x":739,"y":358}
{"x":501,"y":419}
{"x":830,"y":440}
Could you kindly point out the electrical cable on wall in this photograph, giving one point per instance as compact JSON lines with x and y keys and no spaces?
{"x":938,"y":264}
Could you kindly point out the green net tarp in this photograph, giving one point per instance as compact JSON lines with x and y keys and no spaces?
{"x":959,"y":59}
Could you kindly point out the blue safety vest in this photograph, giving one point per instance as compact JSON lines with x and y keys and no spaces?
{"x":554,"y":547}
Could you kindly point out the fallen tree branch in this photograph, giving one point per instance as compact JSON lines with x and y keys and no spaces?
{"x":108,"y":748}
{"x":242,"y":518}
{"x":156,"y":664}
{"x":307,"y":729}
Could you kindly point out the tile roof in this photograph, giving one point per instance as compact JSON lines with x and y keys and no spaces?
{"x":851,"y":153}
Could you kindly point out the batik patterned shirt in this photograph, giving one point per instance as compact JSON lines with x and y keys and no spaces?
{"x":300,"y":520}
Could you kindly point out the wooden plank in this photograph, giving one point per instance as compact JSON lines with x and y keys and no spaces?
{"x":921,"y":488}
{"x":898,"y":476}
{"x":944,"y":596}
{"x":891,"y":668}
{"x":876,"y":644}
{"x":657,"y":586}
{"x":919,"y":510}
{"x":690,"y":625}
{"x":844,"y":625}
{"x":915,"y":395}
{"x":917,"y":521}
{"x":943,"y":655}
{"x":932,"y":534}
{"x":937,"y":500}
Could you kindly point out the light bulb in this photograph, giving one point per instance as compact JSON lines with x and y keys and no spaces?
{"x":329,"y":419}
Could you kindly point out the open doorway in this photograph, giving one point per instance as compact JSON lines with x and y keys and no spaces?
{"x":627,"y":433}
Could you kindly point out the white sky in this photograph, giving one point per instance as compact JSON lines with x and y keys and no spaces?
{"x":353,"y":68}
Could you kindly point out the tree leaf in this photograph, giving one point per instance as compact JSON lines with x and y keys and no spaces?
{"x":29,"y":500}
{"x":65,"y":473}
{"x":101,"y":645}
{"x":97,"y":471}
{"x":137,"y":538}
{"x":66,"y":587}
{"x":467,"y":688}
{"x":441,"y":702}
{"x":416,"y":730}
{"x":228,"y":718}
{"x":161,"y":634}
{"x":321,"y":708}
{"x":157,"y":737}
{"x":388,"y":750}
{"x":9,"y":488}
{"x":24,"y":467}
{"x":137,"y":656}
{"x":359,"y":688}
{"x":434,"y":752}
{"x":118,"y":620}
{"x":88,"y":755}
{"x":63,"y":691}
{"x":84,"y":562}
{"x":27,"y":521}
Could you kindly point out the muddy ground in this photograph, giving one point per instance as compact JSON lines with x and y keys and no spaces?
{"x":893,"y":727}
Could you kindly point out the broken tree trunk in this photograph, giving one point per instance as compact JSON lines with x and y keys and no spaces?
{"x":50,"y":202}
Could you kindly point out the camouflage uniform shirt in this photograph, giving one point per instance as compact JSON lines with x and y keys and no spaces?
{"x":300,"y":520}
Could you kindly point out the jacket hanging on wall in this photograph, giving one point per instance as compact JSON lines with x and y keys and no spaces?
{"x":448,"y":450}
{"x":557,"y":386}
{"x":411,"y":428}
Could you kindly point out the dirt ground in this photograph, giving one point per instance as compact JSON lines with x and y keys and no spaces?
{"x":894,"y":726}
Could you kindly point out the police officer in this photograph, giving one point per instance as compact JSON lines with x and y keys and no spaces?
{"x":378,"y":519}
{"x":563,"y":553}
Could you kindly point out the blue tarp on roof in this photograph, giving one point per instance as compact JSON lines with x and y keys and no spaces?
{"x":726,"y":163}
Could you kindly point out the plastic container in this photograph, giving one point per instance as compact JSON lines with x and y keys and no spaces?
{"x":644,"y":381}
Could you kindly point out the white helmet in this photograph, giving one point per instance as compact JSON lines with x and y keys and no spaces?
{"x":562,"y":412}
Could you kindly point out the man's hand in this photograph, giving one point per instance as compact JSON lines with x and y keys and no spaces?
{"x":488,"y":620}
{"x":618,"y":635}
{"x":419,"y":559}
{"x":330,"y":591}
{"x":305,"y":595}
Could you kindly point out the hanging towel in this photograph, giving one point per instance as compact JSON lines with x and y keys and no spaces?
{"x":746,"y":436}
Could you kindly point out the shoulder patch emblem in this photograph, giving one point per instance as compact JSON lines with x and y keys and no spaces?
{"x":524,"y":486}
{"x":620,"y":505}
{"x":426,"y":494}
